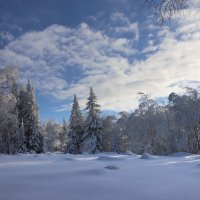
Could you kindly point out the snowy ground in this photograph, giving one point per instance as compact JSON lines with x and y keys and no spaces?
{"x":54,"y":176}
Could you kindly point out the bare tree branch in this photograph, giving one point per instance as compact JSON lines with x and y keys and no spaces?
{"x":166,"y":9}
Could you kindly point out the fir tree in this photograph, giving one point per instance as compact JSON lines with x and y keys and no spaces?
{"x":92,"y":137}
{"x":76,"y":128}
{"x":28,"y":111}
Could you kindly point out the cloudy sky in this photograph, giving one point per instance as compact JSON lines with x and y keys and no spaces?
{"x":66,"y":46}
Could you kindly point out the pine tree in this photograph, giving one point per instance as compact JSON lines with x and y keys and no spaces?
{"x":76,"y":128}
{"x":92,"y":137}
{"x":28,"y":111}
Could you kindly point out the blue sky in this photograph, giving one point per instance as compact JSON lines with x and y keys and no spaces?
{"x":66,"y":46}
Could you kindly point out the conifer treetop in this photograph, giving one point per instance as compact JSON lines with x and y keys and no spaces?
{"x":92,"y":106}
{"x":76,"y":118}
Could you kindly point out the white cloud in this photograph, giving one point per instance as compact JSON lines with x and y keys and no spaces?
{"x":64,"y":107}
{"x":122,"y":26}
{"x":53,"y":57}
{"x":119,"y":19}
{"x":46,"y":57}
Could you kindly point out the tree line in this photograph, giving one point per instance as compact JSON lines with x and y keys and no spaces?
{"x":152,"y":127}
{"x":19,"y":118}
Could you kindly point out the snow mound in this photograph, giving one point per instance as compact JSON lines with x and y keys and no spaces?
{"x":111,"y":167}
{"x":148,"y":156}
{"x":58,"y":152}
{"x":130,"y":153}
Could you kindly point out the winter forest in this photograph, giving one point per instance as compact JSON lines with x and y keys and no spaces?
{"x":99,"y":99}
{"x":154,"y":128}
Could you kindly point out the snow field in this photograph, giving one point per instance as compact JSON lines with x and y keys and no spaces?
{"x":56,"y":176}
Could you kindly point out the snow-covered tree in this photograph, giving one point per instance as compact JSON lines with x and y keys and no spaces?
{"x":121,"y":137}
{"x":8,"y":125}
{"x":8,"y":111}
{"x":55,"y":135}
{"x":185,"y":112}
{"x":18,"y":106}
{"x":51,"y":131}
{"x":111,"y":137}
{"x":28,"y":111}
{"x":62,"y":136}
{"x":75,"y":128}
{"x":93,"y":126}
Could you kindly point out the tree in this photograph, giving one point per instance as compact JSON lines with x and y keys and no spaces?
{"x":52,"y":131}
{"x":8,"y":111}
{"x":21,"y":139}
{"x":92,"y":136}
{"x":166,"y":9}
{"x":62,"y":136}
{"x":8,"y":125}
{"x":185,"y":111}
{"x":19,"y":119}
{"x":122,"y":138}
{"x":146,"y":127}
{"x":75,"y":128}
{"x":108,"y":132}
{"x":28,"y":111}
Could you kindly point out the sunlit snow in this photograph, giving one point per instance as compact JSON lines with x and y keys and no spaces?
{"x":56,"y":176}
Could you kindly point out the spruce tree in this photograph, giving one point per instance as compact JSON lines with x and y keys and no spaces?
{"x":92,"y":136}
{"x":76,"y":128}
{"x":28,"y":111}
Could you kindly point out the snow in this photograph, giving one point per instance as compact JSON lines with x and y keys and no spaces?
{"x":147,"y":156}
{"x":105,"y":176}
